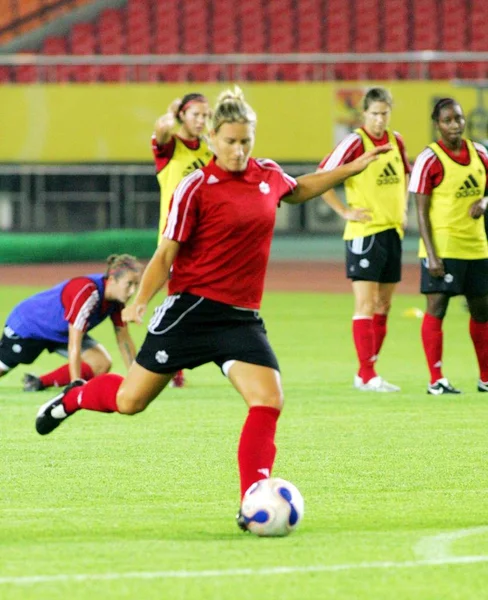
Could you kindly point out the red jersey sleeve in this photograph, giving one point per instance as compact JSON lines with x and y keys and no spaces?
{"x":183,"y":209}
{"x":427,"y":173}
{"x":483,"y":154}
{"x":162,"y":154}
{"x":80,"y":298}
{"x":349,"y":149}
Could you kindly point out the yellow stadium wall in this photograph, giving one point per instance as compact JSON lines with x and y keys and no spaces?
{"x":113,"y":123}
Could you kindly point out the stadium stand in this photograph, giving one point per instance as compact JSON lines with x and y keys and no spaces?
{"x":144,"y":27}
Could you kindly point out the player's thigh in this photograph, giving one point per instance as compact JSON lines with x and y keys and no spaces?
{"x":140,"y":388}
{"x":259,"y":386}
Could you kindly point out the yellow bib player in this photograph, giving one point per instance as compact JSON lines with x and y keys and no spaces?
{"x":375,"y":217}
{"x":179,"y":154}
{"x":449,"y":183}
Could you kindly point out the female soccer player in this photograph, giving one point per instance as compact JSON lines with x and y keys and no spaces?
{"x":376,"y":217}
{"x":178,"y":154}
{"x":59,"y":318}
{"x":449,"y":183}
{"x":217,"y":239}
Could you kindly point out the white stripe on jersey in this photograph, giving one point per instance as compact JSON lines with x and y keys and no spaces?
{"x":420,"y":170}
{"x":86,"y":310}
{"x":342,"y":151}
{"x":179,"y":193}
{"x":267,"y":163}
{"x":75,"y":299}
{"x":481,"y":149}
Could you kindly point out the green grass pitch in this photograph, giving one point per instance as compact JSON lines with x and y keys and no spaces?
{"x":395,"y":485}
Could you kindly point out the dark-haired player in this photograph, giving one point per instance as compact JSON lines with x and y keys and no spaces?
{"x":179,"y":147}
{"x":449,"y":183}
{"x":59,"y":318}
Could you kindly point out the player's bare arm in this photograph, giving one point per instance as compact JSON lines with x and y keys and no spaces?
{"x":436,"y":266}
{"x":155,"y":276}
{"x":75,"y":338}
{"x":126,"y":345}
{"x":363,"y":215}
{"x":166,"y":123}
{"x":314,"y":184}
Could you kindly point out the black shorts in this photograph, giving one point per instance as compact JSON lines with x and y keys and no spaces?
{"x":187,"y":331}
{"x":376,"y":257}
{"x":466,"y":277}
{"x":15,"y":350}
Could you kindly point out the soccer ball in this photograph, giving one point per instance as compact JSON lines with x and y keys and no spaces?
{"x":272,"y":507}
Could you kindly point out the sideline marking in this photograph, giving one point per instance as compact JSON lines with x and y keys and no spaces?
{"x":439,"y":545}
{"x":30,"y":580}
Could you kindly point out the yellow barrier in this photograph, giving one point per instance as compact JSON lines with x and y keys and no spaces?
{"x":113,"y":123}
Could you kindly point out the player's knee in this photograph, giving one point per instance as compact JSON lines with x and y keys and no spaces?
{"x":272,"y":399}
{"x":102,"y":366}
{"x":127,"y":405}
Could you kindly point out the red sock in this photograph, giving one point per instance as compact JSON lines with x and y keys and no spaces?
{"x":98,"y":394}
{"x":379,"y":327}
{"x":61,"y":377}
{"x":363,"y":334}
{"x":257,"y":449}
{"x":432,"y":338}
{"x":479,"y":335}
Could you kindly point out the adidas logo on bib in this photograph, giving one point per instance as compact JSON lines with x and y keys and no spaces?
{"x":469,"y":188}
{"x":388,"y":176}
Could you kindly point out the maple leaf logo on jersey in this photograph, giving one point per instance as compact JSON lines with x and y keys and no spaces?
{"x":264,"y":187}
{"x":212,"y":179}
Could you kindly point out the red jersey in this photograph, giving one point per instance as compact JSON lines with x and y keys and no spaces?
{"x":81,"y":298}
{"x":224,"y":222}
{"x":428,"y":172}
{"x":352,"y":147}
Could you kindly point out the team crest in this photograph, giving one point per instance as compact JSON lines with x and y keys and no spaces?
{"x":264,"y":187}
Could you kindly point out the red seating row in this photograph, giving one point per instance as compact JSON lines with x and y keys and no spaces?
{"x":257,"y":72}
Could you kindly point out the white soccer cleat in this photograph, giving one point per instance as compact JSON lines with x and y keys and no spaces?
{"x":376,"y":384}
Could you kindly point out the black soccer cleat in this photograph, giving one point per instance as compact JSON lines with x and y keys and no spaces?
{"x":52,"y":414}
{"x":31,"y":383}
{"x":241,"y":521}
{"x":482,"y":386}
{"x":441,"y":386}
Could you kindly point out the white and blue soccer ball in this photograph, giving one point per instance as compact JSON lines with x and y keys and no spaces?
{"x":272,"y":507}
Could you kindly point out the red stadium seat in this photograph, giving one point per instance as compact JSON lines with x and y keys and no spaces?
{"x":311,"y":30}
{"x":443,"y":70}
{"x":166,"y":32}
{"x":477,"y":31}
{"x":224,"y":28}
{"x":54,"y":46}
{"x":425,"y":32}
{"x":367,"y":34}
{"x":453,"y":23}
{"x":281,"y":26}
{"x":252,"y":26}
{"x":195,"y":20}
{"x":338,"y":25}
{"x":111,"y":32}
{"x":395,"y":29}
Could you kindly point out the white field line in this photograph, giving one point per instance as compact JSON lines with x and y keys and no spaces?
{"x":439,"y":546}
{"x":69,"y":578}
